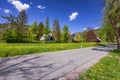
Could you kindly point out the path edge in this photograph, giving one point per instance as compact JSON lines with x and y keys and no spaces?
{"x":74,"y":75}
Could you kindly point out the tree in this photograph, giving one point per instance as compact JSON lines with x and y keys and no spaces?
{"x":34,"y":29}
{"x":106,"y":33}
{"x":56,"y":31}
{"x":90,"y":35}
{"x":112,"y":15}
{"x":3,"y":27}
{"x":70,"y":37}
{"x":84,"y":36}
{"x":22,"y":28}
{"x":66,"y":33}
{"x":10,"y":36}
{"x":17,"y":28}
{"x":77,"y":37}
{"x":11,"y":21}
{"x":41,"y":31}
{"x":47,"y":27}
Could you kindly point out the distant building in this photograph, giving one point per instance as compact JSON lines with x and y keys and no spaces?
{"x":97,"y":39}
{"x":45,"y":37}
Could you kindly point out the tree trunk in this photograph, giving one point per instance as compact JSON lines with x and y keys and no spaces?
{"x":118,"y":43}
{"x":116,"y":32}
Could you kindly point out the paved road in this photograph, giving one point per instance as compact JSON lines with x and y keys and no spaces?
{"x":47,"y":66}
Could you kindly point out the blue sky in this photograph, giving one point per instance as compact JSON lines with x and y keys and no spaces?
{"x":77,"y":14}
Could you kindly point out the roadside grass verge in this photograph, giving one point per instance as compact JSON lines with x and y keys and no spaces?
{"x":107,"y":69}
{"x":14,"y":49}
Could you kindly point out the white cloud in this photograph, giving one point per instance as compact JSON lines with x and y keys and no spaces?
{"x":84,"y":29}
{"x":19,"y":5}
{"x":96,"y":27}
{"x":6,"y":10}
{"x":73,"y":16}
{"x":41,"y":7}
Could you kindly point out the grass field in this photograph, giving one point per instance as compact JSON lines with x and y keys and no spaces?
{"x":107,"y":69}
{"x":14,"y":49}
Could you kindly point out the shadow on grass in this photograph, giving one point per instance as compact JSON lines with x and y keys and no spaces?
{"x":99,"y":44}
{"x":116,"y":51}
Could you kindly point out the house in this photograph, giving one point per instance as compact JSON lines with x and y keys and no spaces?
{"x":50,"y":37}
{"x":97,"y":39}
{"x":45,"y":37}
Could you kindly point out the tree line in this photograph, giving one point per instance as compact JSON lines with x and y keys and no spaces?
{"x":18,"y":31}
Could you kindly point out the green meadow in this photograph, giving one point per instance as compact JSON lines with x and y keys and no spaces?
{"x":14,"y":49}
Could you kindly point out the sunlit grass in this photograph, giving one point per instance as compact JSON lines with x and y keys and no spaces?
{"x":13,"y":49}
{"x":107,"y":69}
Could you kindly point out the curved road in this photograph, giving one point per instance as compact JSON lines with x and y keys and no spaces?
{"x":48,"y":66}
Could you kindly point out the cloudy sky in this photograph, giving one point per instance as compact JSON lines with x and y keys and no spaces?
{"x":77,"y":14}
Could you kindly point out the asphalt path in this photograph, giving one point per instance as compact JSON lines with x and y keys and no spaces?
{"x":48,"y":66}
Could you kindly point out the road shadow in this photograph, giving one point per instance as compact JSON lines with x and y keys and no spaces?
{"x":28,"y":69}
{"x":108,"y":48}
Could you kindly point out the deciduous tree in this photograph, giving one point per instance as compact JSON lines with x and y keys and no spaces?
{"x":112,"y":15}
{"x":66,"y":33}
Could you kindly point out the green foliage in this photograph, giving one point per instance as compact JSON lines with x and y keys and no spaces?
{"x":65,"y":34}
{"x":112,"y":14}
{"x":56,"y":32}
{"x":84,"y":36}
{"x":106,"y":33}
{"x":18,"y":30}
{"x":77,"y":37}
{"x":41,"y":30}
{"x":3,"y":27}
{"x":33,"y":29}
{"x":47,"y":27}
{"x":14,"y":49}
{"x":10,"y":36}
{"x":107,"y":69}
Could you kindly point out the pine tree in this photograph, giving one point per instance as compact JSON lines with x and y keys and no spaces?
{"x":56,"y":31}
{"x":47,"y":27}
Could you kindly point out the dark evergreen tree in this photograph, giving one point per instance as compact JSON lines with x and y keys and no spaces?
{"x":56,"y":32}
{"x":22,"y":28}
{"x":47,"y":27}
